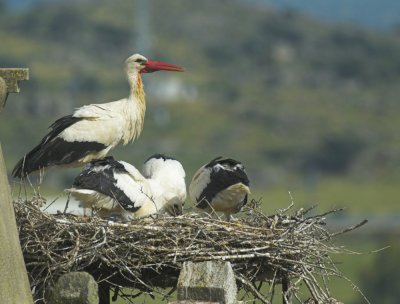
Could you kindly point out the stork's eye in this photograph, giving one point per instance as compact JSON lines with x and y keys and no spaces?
{"x":140,"y":60}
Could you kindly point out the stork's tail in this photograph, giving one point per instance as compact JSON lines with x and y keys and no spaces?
{"x":58,"y":152}
{"x":29,"y":163}
{"x":20,"y":170}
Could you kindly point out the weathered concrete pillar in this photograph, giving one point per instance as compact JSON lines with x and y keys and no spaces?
{"x":75,"y":288}
{"x":207,"y":282}
{"x":3,"y":93}
{"x":14,"y":283}
{"x":10,"y":78}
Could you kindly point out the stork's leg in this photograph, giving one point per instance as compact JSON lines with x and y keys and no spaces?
{"x":229,"y":217}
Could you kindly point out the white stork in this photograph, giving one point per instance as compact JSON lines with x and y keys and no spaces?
{"x":93,"y":130}
{"x":116,"y":188}
{"x":221,"y":185}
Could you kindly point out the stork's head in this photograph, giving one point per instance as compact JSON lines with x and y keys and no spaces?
{"x":140,"y":64}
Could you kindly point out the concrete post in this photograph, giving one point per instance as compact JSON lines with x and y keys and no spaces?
{"x":14,"y":283}
{"x":75,"y":288}
{"x":3,"y":93}
{"x":207,"y":282}
{"x":11,"y":79}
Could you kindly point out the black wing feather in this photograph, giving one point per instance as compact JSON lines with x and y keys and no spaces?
{"x":108,"y":161}
{"x":103,"y":181}
{"x":222,"y":178}
{"x":60,"y":125}
{"x":55,"y":151}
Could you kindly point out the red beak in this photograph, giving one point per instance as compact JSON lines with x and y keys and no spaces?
{"x":153,"y":66}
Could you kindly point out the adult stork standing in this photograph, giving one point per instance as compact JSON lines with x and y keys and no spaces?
{"x":93,"y":130}
{"x":116,"y":188}
{"x":221,"y":185}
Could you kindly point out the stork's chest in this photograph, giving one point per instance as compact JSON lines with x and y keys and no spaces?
{"x":133,"y":119}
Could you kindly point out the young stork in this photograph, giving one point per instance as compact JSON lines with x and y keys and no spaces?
{"x":116,"y":188}
{"x":221,"y":185}
{"x":93,"y":130}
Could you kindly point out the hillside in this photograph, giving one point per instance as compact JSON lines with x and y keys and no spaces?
{"x":290,"y":96}
{"x":376,"y":14}
{"x":307,"y":106}
{"x":371,"y":13}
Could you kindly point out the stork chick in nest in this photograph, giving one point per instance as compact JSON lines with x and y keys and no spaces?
{"x":93,"y":130}
{"x":116,"y":188}
{"x":221,"y":185}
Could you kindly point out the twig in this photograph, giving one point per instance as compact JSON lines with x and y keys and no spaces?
{"x":350,"y":228}
{"x":150,"y":251}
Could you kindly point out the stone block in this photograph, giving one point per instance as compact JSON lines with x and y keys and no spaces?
{"x":13,"y":76}
{"x":207,"y":282}
{"x":9,"y":82}
{"x":75,"y":288}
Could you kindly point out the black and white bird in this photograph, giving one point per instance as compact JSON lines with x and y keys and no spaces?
{"x":93,"y":130}
{"x":221,"y":185}
{"x":116,"y":188}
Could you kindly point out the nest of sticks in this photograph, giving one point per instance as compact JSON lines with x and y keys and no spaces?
{"x":291,"y":248}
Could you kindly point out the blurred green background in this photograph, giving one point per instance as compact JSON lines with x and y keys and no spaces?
{"x":309,"y":104}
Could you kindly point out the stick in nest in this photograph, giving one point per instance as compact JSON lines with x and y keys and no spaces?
{"x":148,"y":253}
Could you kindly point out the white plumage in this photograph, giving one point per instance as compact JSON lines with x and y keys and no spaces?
{"x":93,"y":130}
{"x":221,"y":185}
{"x":117,"y":188}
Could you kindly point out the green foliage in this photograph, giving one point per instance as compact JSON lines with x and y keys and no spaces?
{"x":335,"y":154}
{"x":308,"y":107}
{"x":369,"y":199}
{"x":282,"y":92}
{"x":383,"y":286}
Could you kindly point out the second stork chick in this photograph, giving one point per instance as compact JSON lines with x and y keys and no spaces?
{"x":116,"y":188}
{"x":221,"y":185}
